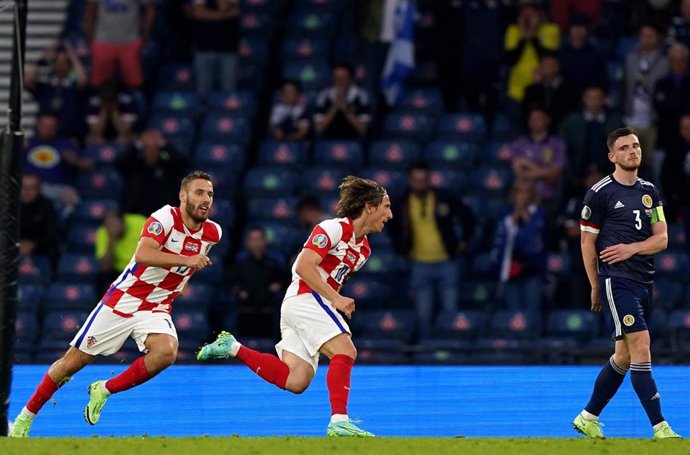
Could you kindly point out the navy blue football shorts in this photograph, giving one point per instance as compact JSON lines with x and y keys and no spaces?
{"x":626,"y":305}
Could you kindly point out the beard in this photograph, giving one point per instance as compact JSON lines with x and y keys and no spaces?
{"x":629,"y":167}
{"x":191,"y":211}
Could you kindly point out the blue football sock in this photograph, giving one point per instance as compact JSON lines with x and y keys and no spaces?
{"x":645,"y":388}
{"x":607,"y":384}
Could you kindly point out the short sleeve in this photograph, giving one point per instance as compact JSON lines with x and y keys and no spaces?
{"x":592,"y":213}
{"x":154,"y":229}
{"x":324,"y":236}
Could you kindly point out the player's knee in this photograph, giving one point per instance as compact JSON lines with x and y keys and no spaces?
{"x":168,"y":356}
{"x":297,"y":387}
{"x":622,"y":360}
{"x":351,"y":352}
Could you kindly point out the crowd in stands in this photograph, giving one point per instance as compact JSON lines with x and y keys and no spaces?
{"x":501,"y":129}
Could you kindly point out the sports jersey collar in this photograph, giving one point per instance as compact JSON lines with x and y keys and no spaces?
{"x":357,"y":240}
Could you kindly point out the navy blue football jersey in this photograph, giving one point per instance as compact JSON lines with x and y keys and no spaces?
{"x":622,"y":214}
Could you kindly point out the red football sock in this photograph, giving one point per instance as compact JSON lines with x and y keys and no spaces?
{"x":133,"y":376}
{"x":43,"y":392}
{"x":338,"y":381}
{"x":268,"y":366}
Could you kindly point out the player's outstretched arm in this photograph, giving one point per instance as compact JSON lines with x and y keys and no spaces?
{"x":148,"y":253}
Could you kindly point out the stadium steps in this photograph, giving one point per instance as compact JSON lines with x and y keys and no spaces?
{"x":44,"y":24}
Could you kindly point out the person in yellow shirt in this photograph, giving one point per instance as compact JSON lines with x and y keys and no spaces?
{"x":427,"y":232}
{"x":116,"y":240}
{"x":524,"y":43}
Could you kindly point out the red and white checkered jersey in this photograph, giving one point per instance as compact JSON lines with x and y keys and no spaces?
{"x":342,"y":254}
{"x":145,"y":288}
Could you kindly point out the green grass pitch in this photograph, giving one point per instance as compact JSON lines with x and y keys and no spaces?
{"x":331,"y":446}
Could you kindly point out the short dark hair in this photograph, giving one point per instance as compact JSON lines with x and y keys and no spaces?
{"x":549,"y":54}
{"x":418,"y":166}
{"x":355,"y":194}
{"x":308,"y":202}
{"x":194,"y":175}
{"x":616,"y":134}
{"x":347,"y":66}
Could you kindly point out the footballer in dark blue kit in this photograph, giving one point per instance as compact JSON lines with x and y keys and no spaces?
{"x":622,"y":226}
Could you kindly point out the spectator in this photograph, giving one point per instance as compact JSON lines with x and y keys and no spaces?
{"x":309,"y":212}
{"x":645,"y":65}
{"x":426,"y":231}
{"x":55,"y":159}
{"x":562,"y":11}
{"x":520,"y":249}
{"x":584,"y":134}
{"x":550,"y":91}
{"x":117,"y":33}
{"x":675,"y":176}
{"x":679,"y":31}
{"x":116,"y":241}
{"x":582,"y":62}
{"x":540,"y":157}
{"x":57,"y":82}
{"x":672,"y":96}
{"x":38,"y":224}
{"x":151,"y":170}
{"x":342,"y":110}
{"x":256,"y":282}
{"x":525,"y":41}
{"x":482,"y":31}
{"x":217,"y":28}
{"x":112,"y":115}
{"x":289,"y":116}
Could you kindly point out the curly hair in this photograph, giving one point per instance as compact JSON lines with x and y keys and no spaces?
{"x":355,"y":193}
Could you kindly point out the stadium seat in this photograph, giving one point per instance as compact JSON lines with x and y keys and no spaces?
{"x":226,"y":127}
{"x":220,"y":154}
{"x":343,"y":154}
{"x":383,"y":263}
{"x":256,"y":24}
{"x":78,"y":297}
{"x":329,"y":202}
{"x":577,"y":324}
{"x":104,"y":154}
{"x":423,"y":100}
{"x":393,"y":154}
{"x":672,"y":265}
{"x":491,"y":180}
{"x":297,"y":47}
{"x":368,"y":292}
{"x":313,"y":74}
{"x":462,"y":126}
{"x":448,"y":180}
{"x":100,"y":184}
{"x":398,"y":324}
{"x":479,"y":294}
{"x":468,"y":324}
{"x":226,"y":181}
{"x":332,"y":6}
{"x":282,"y":237}
{"x":213,"y":275}
{"x":34,"y":270}
{"x":440,"y":357}
{"x":496,"y":154}
{"x":241,"y":103}
{"x":322,"y":179}
{"x":196,"y":296}
{"x":172,"y":125}
{"x":668,"y":293}
{"x":410,"y":126}
{"x":271,"y":209}
{"x":516,"y":324}
{"x":270,"y":181}
{"x":253,"y":49}
{"x":92,"y":211}
{"x":487,"y":207}
{"x":679,"y":326}
{"x":77,"y":268}
{"x":274,"y":153}
{"x":223,"y":213}
{"x":676,"y":236}
{"x":558,"y":264}
{"x":393,"y":180}
{"x":26,"y":328}
{"x":451,"y":154}
{"x":176,"y":77}
{"x":81,"y":238}
{"x":63,"y":324}
{"x":176,"y":102}
{"x":309,"y":23}
{"x":29,"y":297}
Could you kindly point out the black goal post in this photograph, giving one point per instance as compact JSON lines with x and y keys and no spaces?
{"x":11,"y":142}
